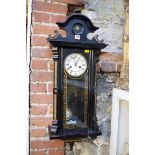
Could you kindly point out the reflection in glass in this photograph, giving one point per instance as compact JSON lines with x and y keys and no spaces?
{"x":76,"y":102}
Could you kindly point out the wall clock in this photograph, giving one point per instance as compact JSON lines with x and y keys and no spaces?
{"x":74,"y":92}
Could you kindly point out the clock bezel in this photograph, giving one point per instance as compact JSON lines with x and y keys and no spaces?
{"x":81,"y":26}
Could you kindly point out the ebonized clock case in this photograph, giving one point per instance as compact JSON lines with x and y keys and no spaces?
{"x":75,"y":97}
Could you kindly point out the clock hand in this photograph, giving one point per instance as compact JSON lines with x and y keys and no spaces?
{"x":76,"y":62}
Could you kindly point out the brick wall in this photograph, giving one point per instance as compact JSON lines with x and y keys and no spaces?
{"x":45,"y":14}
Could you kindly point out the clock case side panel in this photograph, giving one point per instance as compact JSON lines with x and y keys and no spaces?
{"x":56,"y":129}
{"x":93,"y":126}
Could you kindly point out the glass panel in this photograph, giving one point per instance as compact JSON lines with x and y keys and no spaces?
{"x":76,"y":102}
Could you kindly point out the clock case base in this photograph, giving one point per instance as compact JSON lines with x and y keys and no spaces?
{"x":73,"y":133}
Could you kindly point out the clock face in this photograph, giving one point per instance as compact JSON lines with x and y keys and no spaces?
{"x":78,"y":28}
{"x":75,"y":64}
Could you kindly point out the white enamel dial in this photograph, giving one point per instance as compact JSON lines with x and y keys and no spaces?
{"x":75,"y":64}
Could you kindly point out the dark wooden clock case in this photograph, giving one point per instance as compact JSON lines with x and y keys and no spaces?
{"x":75,"y":42}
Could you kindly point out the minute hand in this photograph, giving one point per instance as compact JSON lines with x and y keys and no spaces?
{"x":76,"y":62}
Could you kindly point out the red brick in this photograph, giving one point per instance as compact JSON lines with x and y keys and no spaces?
{"x":41,"y":98}
{"x":105,"y":56}
{"x":57,"y":18}
{"x":108,"y":67}
{"x":42,"y":6}
{"x":50,"y":109}
{"x":56,"y":152}
{"x":38,"y":110}
{"x":41,"y":76}
{"x":41,"y":17}
{"x":43,"y":29}
{"x":38,"y":153}
{"x":38,"y":144}
{"x":42,"y":52}
{"x":59,"y":8}
{"x":109,"y":62}
{"x":51,"y":66}
{"x":39,"y":87}
{"x":53,"y":144}
{"x":50,"y":87}
{"x":98,"y":67}
{"x":38,"y":132}
{"x":41,"y":121}
{"x":39,"y":41}
{"x":72,"y":2}
{"x":50,"y":7}
{"x":39,"y":64}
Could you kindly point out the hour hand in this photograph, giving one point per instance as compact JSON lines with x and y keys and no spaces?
{"x":76,"y":62}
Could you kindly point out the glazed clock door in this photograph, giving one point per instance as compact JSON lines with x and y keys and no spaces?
{"x":75,"y":91}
